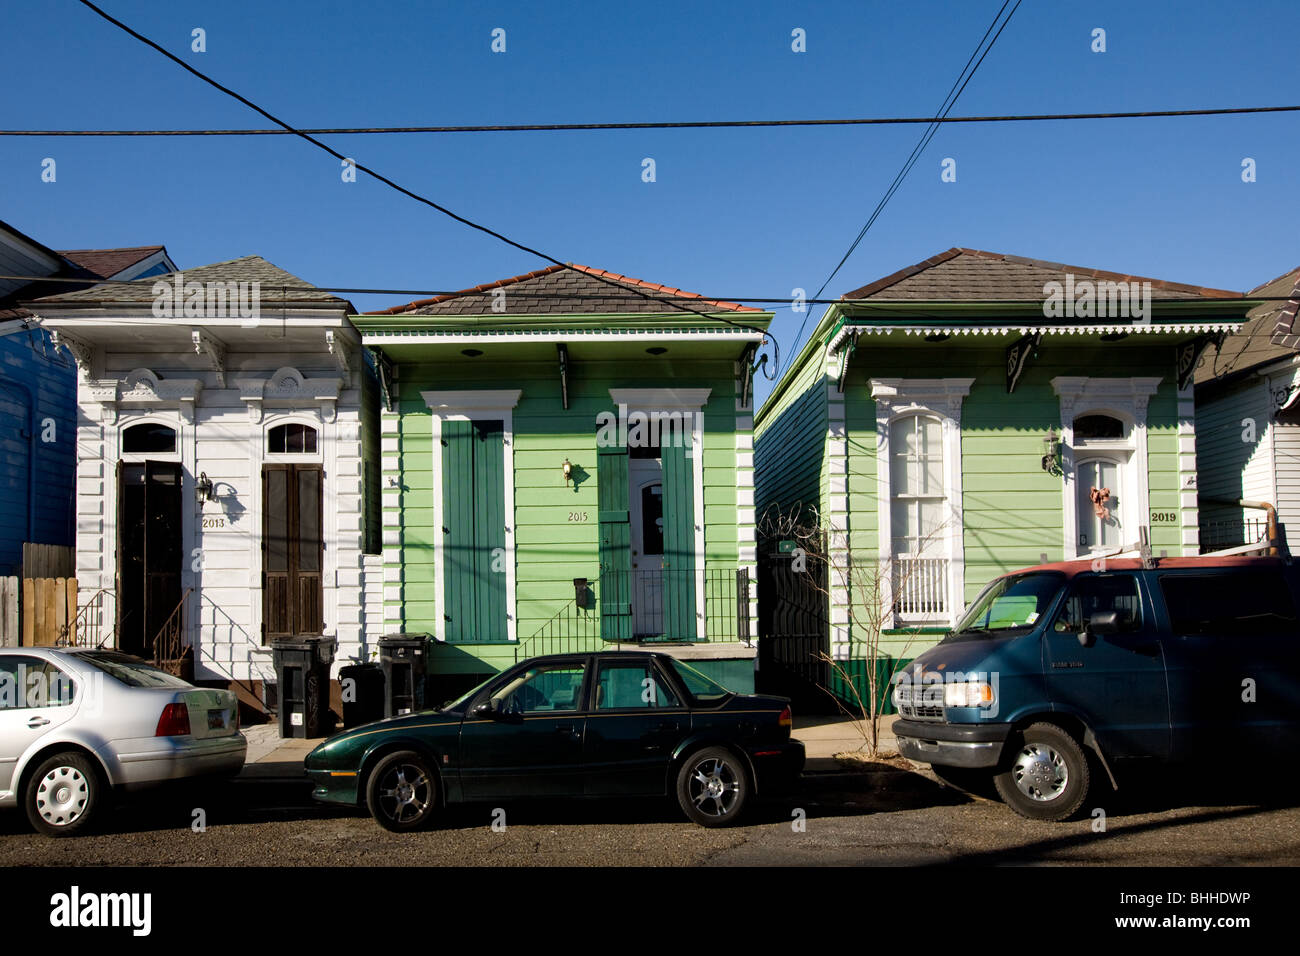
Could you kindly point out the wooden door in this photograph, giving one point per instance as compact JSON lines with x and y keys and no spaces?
{"x":148,"y":551}
{"x":292,"y":550}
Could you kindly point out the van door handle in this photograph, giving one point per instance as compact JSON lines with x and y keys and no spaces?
{"x":565,"y":729}
{"x":37,"y":722}
{"x":666,"y":725}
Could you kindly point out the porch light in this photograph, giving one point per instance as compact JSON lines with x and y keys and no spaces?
{"x":1051,"y":451}
{"x":567,"y":468}
{"x":203,"y":488}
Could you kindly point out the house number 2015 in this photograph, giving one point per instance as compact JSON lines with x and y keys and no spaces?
{"x":577,"y":516}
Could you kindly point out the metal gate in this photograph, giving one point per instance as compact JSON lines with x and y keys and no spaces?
{"x":793,"y":627}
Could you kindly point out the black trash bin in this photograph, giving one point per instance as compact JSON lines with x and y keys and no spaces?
{"x":402,"y":657}
{"x":363,"y":694}
{"x":302,"y":671}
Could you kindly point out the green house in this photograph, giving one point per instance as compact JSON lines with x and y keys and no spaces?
{"x":975,"y":413}
{"x":567,"y":463}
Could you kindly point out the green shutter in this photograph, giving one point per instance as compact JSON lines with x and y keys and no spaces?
{"x":679,"y":542}
{"x":474,"y":526}
{"x":615,"y":544}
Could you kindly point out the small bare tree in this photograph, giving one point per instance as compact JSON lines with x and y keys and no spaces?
{"x":882,"y":594}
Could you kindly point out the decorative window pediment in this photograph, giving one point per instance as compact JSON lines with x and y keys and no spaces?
{"x":287,"y":388}
{"x":143,"y":388}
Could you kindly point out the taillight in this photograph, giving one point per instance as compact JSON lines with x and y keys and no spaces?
{"x":786,"y":719}
{"x":174,"y":722}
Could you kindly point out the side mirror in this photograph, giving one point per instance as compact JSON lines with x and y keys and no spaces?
{"x":1103,"y":622}
{"x":486,"y":710}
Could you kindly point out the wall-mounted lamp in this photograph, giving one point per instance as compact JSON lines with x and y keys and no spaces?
{"x":203,"y":488}
{"x":1051,"y":451}
{"x":567,"y":468}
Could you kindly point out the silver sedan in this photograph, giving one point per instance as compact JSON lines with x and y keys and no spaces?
{"x":76,"y":724}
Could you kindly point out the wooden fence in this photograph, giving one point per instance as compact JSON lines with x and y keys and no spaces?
{"x":10,"y":598}
{"x":48,"y":560}
{"x":49,"y":608}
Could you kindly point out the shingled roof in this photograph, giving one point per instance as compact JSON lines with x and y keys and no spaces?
{"x":109,"y":262}
{"x":276,"y":285}
{"x":973,"y":275}
{"x":566,"y":290}
{"x":1270,"y":333}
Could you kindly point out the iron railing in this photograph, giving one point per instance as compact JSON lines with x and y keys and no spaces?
{"x":665,"y":606}
{"x":169,"y":643}
{"x":1221,"y":533}
{"x":90,"y":627}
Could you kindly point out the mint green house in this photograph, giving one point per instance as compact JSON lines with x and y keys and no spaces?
{"x":976,"y":413}
{"x":567,"y":463}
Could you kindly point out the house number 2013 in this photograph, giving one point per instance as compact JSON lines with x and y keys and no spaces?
{"x":577,"y":516}
{"x":214,"y":522}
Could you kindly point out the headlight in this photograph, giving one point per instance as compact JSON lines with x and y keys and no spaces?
{"x":968,"y":694}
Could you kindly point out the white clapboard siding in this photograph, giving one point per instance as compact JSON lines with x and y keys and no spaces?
{"x":1228,"y":466}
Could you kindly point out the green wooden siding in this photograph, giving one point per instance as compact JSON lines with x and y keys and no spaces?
{"x":473,"y":506}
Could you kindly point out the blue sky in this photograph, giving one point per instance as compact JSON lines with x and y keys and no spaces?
{"x":733,"y":213}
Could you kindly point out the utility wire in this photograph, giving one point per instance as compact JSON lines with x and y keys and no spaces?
{"x":699,"y":124}
{"x":423,"y":199}
{"x":949,"y":101}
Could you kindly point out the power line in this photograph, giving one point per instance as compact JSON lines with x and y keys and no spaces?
{"x":690,"y":124}
{"x":416,"y":196}
{"x":949,"y":101}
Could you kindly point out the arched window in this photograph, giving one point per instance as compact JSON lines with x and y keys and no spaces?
{"x":1097,"y":427}
{"x":148,"y":438}
{"x":291,"y":439}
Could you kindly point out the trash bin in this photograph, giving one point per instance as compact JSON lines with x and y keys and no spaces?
{"x":402,"y":658}
{"x":363,"y":694}
{"x":302,"y":670}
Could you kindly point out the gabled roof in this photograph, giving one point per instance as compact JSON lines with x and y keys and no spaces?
{"x":277,"y":286}
{"x":973,"y":275}
{"x":109,"y":262}
{"x":1271,"y":332}
{"x":566,"y":290}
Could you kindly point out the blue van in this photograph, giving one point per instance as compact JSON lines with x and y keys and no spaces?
{"x":1062,"y":674}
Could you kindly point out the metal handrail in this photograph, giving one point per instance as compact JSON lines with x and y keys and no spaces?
{"x":71,"y":632}
{"x":172,"y":633}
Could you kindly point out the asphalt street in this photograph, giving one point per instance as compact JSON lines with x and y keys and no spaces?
{"x":833,"y":819}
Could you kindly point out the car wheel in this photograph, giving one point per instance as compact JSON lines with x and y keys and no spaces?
{"x":62,"y":797}
{"x":1047,"y":775}
{"x":712,"y":787}
{"x":402,"y":792}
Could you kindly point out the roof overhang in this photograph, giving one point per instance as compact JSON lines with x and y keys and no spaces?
{"x":581,"y":344}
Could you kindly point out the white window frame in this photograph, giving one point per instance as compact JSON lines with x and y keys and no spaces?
{"x":939,"y":398}
{"x":1122,"y":398}
{"x":471,"y":405}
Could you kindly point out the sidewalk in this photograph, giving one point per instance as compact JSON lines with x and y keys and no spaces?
{"x":823,"y":737}
{"x":269,"y":756}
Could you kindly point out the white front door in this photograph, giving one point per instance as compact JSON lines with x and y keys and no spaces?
{"x":1101,"y":524}
{"x":646,"y":513}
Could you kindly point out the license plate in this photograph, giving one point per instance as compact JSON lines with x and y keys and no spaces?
{"x":216,"y":720}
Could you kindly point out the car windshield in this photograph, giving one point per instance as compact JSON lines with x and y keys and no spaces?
{"x":1015,"y":602}
{"x":464,"y":698}
{"x":702,"y":687}
{"x":131,"y":670}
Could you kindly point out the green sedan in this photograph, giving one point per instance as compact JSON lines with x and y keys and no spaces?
{"x":613,"y":724}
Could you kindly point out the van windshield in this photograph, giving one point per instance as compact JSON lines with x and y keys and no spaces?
{"x":1013,"y":603}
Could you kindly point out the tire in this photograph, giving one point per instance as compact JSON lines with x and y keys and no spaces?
{"x":62,"y":797}
{"x":713,"y":787}
{"x":1046,"y":776}
{"x":402,"y":792}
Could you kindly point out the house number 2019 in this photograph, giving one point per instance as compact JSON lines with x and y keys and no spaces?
{"x":577,"y":516}
{"x":1164,"y":517}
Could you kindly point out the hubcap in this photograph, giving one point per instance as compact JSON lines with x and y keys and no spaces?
{"x":714,"y":787}
{"x":405,"y":794}
{"x":62,"y":796}
{"x":1040,"y":772}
